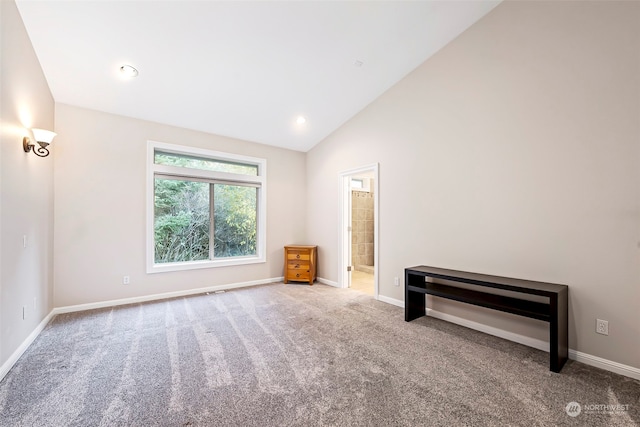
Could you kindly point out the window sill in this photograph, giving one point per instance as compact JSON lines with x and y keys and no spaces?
{"x":195,"y":265}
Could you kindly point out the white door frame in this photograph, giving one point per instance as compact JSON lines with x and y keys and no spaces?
{"x":344,"y":276}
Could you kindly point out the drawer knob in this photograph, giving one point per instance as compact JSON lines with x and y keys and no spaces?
{"x":298,"y":256}
{"x":297,"y":266}
{"x":298,"y":275}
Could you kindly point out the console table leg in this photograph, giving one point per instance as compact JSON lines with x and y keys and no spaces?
{"x":414,"y":306}
{"x":414,"y":302}
{"x":558,"y":332}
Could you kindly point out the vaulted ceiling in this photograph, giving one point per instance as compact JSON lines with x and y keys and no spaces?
{"x":243,"y":69}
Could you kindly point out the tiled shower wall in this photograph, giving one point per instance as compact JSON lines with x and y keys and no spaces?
{"x":362,"y":228}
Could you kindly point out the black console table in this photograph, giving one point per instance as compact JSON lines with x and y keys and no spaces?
{"x":555,"y":310}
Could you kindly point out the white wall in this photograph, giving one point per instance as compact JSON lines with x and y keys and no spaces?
{"x":100,"y":184}
{"x":26,"y":187}
{"x":514,"y":151}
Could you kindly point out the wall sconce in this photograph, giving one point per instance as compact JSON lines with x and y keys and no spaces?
{"x":43,"y":138}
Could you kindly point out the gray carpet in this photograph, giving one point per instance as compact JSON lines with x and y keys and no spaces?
{"x":294,"y":355}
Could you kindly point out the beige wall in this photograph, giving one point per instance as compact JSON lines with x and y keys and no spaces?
{"x":514,"y":151}
{"x":100,"y":210}
{"x":26,"y":187}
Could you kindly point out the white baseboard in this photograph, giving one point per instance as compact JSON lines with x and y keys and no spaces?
{"x":607,"y":365}
{"x":578,"y":356}
{"x":392,"y":301}
{"x":154,"y":297}
{"x":511,"y":336}
{"x":6,"y":366}
{"x":328,"y":282}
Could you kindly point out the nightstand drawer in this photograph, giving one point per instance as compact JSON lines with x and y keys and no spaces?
{"x":298,"y":275}
{"x":301,"y":254}
{"x":298,"y":265}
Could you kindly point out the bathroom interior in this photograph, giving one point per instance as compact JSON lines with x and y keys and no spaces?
{"x":362,"y":233}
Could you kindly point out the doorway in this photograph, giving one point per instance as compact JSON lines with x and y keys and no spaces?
{"x":359,"y":229}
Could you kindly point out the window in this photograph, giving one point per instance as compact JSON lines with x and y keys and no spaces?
{"x":361,"y":184}
{"x":205,"y":208}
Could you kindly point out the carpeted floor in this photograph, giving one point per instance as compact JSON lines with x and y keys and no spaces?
{"x":294,"y":355}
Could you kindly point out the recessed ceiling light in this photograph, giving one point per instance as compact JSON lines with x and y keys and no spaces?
{"x":301,"y":120}
{"x":128,"y":71}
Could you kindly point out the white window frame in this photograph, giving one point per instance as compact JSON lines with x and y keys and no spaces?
{"x":259,"y":181}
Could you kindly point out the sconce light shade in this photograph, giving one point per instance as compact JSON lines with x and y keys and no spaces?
{"x":43,"y":138}
{"x":42,"y":135}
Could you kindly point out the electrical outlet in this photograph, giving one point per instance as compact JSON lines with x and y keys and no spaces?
{"x":602,"y":327}
{"x":396,"y":282}
{"x":126,"y":280}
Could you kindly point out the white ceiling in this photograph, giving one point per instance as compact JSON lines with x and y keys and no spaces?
{"x":243,"y":69}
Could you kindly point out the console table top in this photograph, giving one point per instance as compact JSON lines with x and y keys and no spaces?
{"x":498,"y":282}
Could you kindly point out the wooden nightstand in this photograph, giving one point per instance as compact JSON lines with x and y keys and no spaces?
{"x":300,"y":263}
